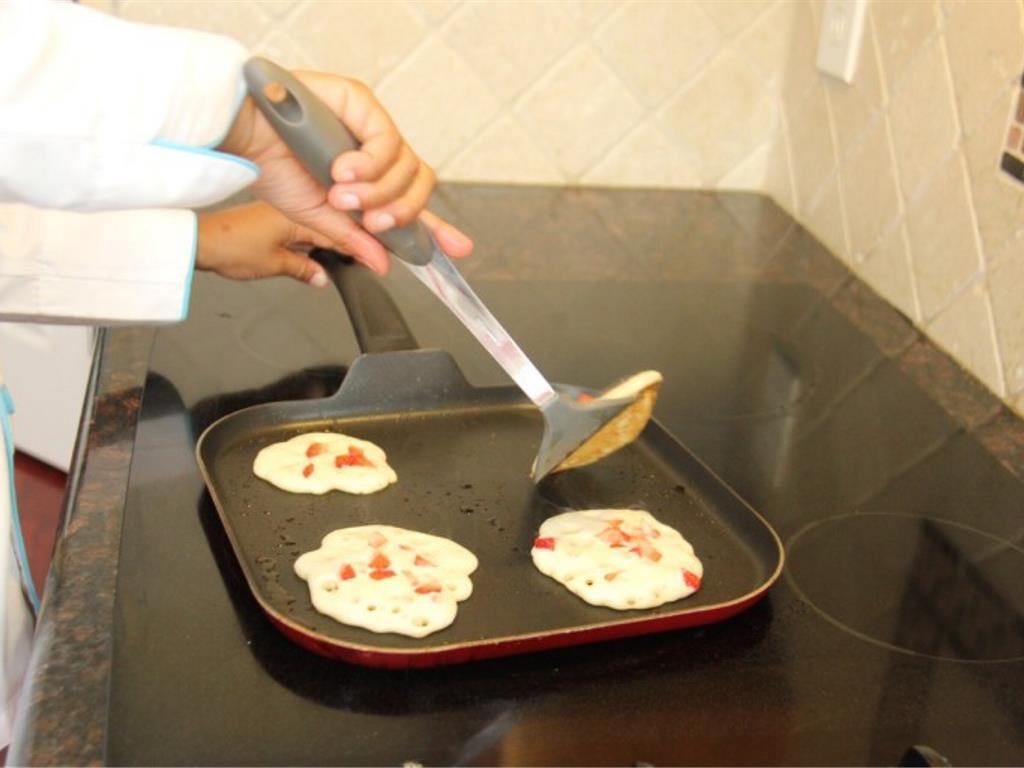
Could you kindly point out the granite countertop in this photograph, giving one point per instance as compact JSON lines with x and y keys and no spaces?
{"x":744,"y":239}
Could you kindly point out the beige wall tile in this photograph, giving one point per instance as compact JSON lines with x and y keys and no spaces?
{"x":438,"y":102}
{"x":104,"y":6}
{"x":509,"y":45}
{"x":504,"y":150}
{"x":580,"y":110}
{"x":281,"y":47}
{"x":360,"y":39}
{"x":434,"y":11}
{"x":801,"y":70}
{"x":656,"y":47}
{"x":1006,"y":288}
{"x":826,"y":220}
{"x":965,"y":330}
{"x":901,"y":26}
{"x":998,"y":204}
{"x":767,"y":43}
{"x":943,"y":246}
{"x":750,"y":173}
{"x":923,"y":118}
{"x":869,"y":188}
{"x":985,"y":42}
{"x":647,"y":158}
{"x":887,"y":269}
{"x":722,"y":132}
{"x":854,"y":105}
{"x":732,"y":16}
{"x":816,"y":159}
{"x":589,"y":13}
{"x":276,"y":8}
{"x":246,"y":22}
{"x":778,"y":182}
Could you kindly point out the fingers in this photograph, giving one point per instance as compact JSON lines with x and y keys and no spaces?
{"x":452,"y":241}
{"x":380,"y":143}
{"x":367,"y":195}
{"x":344,"y":234}
{"x":384,"y":178}
{"x":299,"y":266}
{"x":394,"y":201}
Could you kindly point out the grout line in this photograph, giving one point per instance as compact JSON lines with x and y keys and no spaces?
{"x":844,"y":223}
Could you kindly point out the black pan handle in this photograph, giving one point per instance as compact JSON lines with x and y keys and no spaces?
{"x":376,"y":320}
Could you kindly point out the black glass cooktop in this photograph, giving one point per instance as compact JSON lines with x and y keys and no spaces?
{"x":899,"y":619}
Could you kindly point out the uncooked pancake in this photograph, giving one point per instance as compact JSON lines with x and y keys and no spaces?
{"x":618,"y":558}
{"x":388,"y":579}
{"x":318,"y":462}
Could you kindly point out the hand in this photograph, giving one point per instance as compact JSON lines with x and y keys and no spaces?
{"x":253,"y":241}
{"x":384,"y":178}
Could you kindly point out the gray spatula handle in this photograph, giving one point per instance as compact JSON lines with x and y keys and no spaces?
{"x":317,"y":137}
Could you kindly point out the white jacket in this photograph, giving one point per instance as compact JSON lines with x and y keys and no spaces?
{"x":107,"y":131}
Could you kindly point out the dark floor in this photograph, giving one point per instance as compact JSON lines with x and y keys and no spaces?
{"x":40,"y":490}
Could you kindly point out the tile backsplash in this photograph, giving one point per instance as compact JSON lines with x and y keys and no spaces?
{"x":897,"y":173}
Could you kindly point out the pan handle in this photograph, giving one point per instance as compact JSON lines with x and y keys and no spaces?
{"x":376,"y":320}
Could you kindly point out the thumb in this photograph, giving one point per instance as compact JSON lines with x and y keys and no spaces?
{"x":300,"y":267}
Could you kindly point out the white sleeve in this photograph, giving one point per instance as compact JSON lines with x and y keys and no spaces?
{"x":98,"y":268}
{"x":97,"y":113}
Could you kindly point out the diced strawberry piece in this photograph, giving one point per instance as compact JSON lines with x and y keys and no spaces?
{"x":614,"y":537}
{"x":544,"y":542}
{"x":612,"y":575}
{"x":379,"y":561}
{"x":307,"y":470}
{"x":377,"y":540}
{"x":647,"y":550}
{"x":315,"y":449}
{"x":583,"y":397}
{"x":426,"y":589}
{"x":378,"y":575}
{"x":347,"y":572}
{"x":692,"y":579}
{"x":422,"y":561}
{"x":354,"y":458}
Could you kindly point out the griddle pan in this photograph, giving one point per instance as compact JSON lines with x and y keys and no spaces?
{"x":463,"y":457}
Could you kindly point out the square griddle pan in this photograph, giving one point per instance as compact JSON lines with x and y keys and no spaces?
{"x":463,"y":456}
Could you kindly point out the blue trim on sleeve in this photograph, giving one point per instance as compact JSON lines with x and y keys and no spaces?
{"x":17,"y":537}
{"x":207,"y":152}
{"x":191,"y":267}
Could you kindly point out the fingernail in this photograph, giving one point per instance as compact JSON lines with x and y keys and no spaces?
{"x":318,"y":279}
{"x":383,"y":221}
{"x":348,"y":202}
{"x":346,"y":176}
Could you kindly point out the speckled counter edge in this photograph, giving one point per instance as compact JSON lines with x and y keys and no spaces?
{"x":62,"y":718}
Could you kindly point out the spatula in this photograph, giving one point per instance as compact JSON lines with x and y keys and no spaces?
{"x":578,"y":429}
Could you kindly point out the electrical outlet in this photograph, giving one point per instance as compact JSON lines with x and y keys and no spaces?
{"x":842,"y":26}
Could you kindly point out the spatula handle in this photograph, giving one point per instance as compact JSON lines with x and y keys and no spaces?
{"x":317,"y":137}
